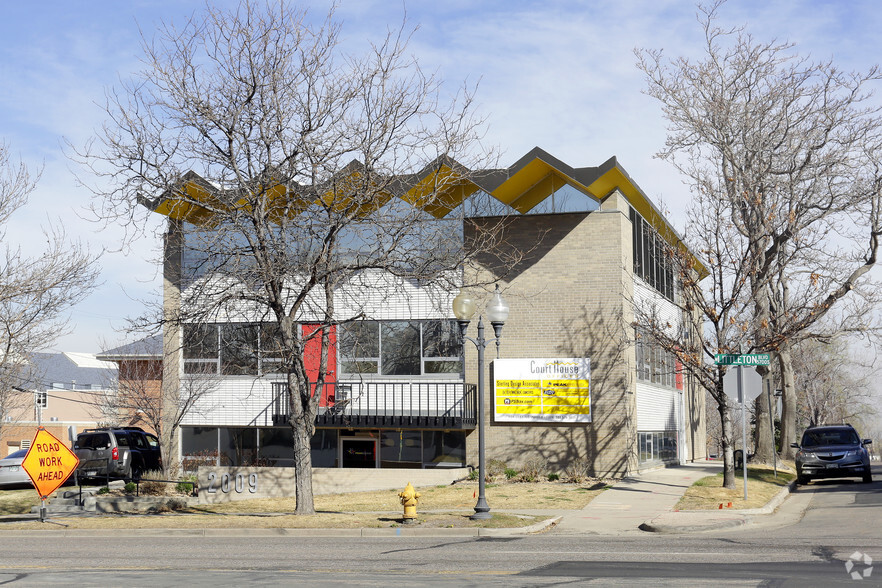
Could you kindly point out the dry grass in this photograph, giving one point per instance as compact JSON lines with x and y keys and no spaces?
{"x":708,"y":493}
{"x":282,"y":521}
{"x":18,"y":501}
{"x":544,"y":495}
{"x":439,"y":507}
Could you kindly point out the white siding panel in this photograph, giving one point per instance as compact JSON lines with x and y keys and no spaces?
{"x":652,"y":303}
{"x":658,"y":409}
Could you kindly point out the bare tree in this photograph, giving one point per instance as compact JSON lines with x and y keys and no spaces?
{"x":36,"y":291}
{"x":793,"y":147}
{"x":834,"y":383}
{"x":318,"y":172}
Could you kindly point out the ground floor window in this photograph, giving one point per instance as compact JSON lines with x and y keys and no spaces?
{"x":657,"y":446}
{"x":365,"y":448}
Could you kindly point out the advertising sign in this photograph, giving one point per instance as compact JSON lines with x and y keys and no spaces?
{"x":48,"y":463}
{"x":544,"y":390}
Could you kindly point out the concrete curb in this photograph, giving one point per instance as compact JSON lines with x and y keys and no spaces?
{"x":335,"y":533}
{"x":711,"y":520}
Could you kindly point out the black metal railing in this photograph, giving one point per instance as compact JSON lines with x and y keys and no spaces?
{"x":447,"y":405}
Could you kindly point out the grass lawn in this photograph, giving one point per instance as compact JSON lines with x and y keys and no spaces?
{"x":439,"y":507}
{"x":762,"y":485}
{"x":18,"y":501}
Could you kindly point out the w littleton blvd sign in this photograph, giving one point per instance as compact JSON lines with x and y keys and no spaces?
{"x":736,"y":359}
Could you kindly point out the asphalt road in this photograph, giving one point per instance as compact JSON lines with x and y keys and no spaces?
{"x":786,"y":549}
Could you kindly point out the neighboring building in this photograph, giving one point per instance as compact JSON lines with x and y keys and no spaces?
{"x":402,"y":387}
{"x":139,"y":365}
{"x":77,"y":387}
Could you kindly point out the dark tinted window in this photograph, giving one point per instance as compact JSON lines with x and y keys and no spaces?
{"x":94,"y":441}
{"x":122,"y":439}
{"x":138,"y":440}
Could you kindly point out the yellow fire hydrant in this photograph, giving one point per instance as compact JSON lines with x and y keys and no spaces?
{"x":409,"y":500}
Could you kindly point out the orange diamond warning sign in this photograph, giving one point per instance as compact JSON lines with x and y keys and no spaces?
{"x":48,"y":462}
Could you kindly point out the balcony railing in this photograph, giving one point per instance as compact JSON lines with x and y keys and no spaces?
{"x":429,"y":405}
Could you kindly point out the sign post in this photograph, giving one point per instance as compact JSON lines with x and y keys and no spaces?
{"x":48,"y":463}
{"x":748,"y":385}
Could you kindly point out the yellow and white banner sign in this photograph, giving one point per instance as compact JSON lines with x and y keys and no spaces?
{"x":542,"y":390}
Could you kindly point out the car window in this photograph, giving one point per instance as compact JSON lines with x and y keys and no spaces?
{"x":152,"y":440}
{"x":100,"y":441}
{"x":830,"y":437}
{"x":17,"y":454}
{"x":122,"y":439}
{"x":138,"y":440}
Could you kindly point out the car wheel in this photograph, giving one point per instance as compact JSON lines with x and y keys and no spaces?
{"x":868,"y":478}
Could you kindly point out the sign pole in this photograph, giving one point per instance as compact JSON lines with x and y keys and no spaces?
{"x":743,"y":428}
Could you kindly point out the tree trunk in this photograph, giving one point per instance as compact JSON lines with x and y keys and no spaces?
{"x":765,"y":440}
{"x":303,"y":467}
{"x":728,"y":457}
{"x":788,"y":402}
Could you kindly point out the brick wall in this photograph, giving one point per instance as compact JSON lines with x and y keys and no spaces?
{"x":570,"y":297}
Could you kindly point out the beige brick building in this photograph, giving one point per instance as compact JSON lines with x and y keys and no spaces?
{"x":583,"y":249}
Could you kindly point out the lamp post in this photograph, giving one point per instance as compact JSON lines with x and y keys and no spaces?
{"x":497,"y":311}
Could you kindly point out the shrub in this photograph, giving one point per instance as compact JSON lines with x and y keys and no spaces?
{"x":495,"y":468}
{"x":130,"y":487}
{"x":473,"y":475}
{"x":104,"y":490}
{"x":577,"y":471}
{"x":510,"y":473}
{"x":186,"y":485}
{"x":535,"y":469}
{"x":553,"y":477}
{"x":152,"y":488}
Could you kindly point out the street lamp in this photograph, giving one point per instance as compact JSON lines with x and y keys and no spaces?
{"x":497,"y":311}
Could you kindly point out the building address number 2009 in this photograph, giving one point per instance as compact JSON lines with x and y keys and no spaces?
{"x":229,"y":483}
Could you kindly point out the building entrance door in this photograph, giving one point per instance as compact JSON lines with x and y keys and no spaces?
{"x":359,"y":453}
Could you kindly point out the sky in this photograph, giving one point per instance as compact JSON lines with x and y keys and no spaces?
{"x":558,"y":74}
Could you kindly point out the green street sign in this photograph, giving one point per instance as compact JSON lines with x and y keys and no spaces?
{"x":747,"y":359}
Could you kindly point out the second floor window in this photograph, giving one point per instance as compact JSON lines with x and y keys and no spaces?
{"x":400,"y":348}
{"x":384,"y":348}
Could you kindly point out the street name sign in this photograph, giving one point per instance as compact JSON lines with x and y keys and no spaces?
{"x":48,"y":463}
{"x":742,"y":359}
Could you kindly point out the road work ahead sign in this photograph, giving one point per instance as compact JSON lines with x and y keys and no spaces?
{"x":48,"y":463}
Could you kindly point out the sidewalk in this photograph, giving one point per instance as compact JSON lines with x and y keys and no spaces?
{"x":646,"y":502}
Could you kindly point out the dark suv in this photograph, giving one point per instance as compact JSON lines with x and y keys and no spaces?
{"x":832,"y":451}
{"x":124,"y":452}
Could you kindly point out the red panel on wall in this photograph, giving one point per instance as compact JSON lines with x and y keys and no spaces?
{"x":312,"y":359}
{"x":678,"y":374}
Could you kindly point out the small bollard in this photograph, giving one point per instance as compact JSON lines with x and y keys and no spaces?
{"x":409,"y":498}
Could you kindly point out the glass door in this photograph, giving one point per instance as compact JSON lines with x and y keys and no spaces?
{"x":358,"y":453}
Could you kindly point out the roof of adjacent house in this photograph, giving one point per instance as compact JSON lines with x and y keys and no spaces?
{"x":146,"y":348}
{"x":70,"y":371}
